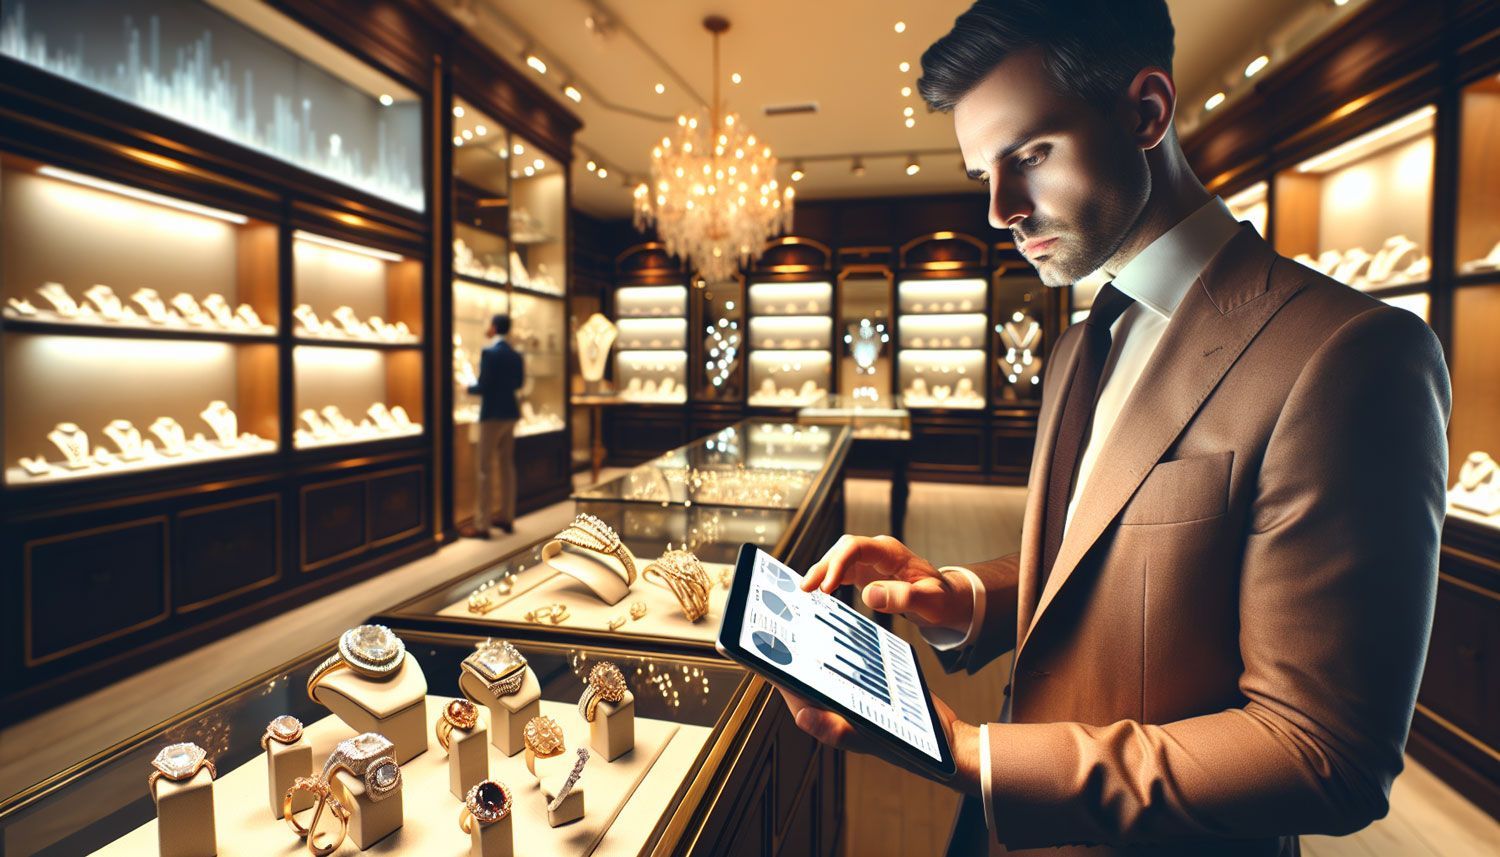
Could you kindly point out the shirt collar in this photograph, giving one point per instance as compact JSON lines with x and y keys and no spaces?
{"x":1160,"y":275}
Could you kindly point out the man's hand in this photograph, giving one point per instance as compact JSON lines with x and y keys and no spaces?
{"x":833,"y":730}
{"x":894,"y":580}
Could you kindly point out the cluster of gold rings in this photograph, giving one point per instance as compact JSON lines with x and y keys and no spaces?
{"x":554,"y":613}
{"x":682,"y":572}
{"x":637,"y":612}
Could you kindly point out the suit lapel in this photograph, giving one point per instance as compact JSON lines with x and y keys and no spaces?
{"x":1220,"y":315}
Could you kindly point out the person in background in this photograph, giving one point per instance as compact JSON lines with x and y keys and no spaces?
{"x":502,"y":370}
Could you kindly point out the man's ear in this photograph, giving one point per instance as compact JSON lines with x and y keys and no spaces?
{"x":1152,"y":97}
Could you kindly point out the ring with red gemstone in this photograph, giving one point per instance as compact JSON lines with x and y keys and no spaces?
{"x":487,"y":803}
{"x":458,"y":714}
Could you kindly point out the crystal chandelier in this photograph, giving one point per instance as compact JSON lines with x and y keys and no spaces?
{"x":713,"y":194}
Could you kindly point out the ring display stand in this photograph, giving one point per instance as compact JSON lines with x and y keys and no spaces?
{"x":185,"y":817}
{"x":369,"y":820}
{"x":603,"y":575}
{"x":468,"y":758}
{"x":551,"y":774}
{"x":284,"y":764}
{"x":493,"y":840}
{"x":612,"y":731}
{"x":393,"y":707}
{"x":508,"y":714}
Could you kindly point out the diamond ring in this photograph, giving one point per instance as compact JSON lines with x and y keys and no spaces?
{"x":371,"y":758}
{"x":544,"y":739}
{"x":572,"y":780}
{"x":605,"y":683}
{"x":373,"y":651}
{"x":498,"y":665}
{"x":179,"y":763}
{"x":486,"y":803}
{"x":285,"y":729}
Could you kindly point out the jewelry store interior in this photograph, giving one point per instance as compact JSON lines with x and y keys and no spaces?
{"x":269,"y":237}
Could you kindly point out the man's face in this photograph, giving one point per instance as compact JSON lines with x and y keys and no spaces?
{"x":1066,"y":179}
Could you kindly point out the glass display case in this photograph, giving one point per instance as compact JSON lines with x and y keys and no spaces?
{"x":723,"y":341}
{"x":865,"y":319}
{"x":139,"y":328}
{"x":653,"y":320}
{"x":538,"y":219}
{"x":943,"y":337}
{"x":865,"y":421}
{"x":242,"y":72}
{"x":1474,"y":429}
{"x":1019,"y":344}
{"x":354,"y":379}
{"x":1361,"y":210}
{"x":481,"y":197}
{"x":791,"y":343}
{"x":681,"y":728}
{"x":1478,"y":244}
{"x":1251,"y":205}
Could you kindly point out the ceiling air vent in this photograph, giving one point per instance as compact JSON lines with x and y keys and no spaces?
{"x":791,"y":109}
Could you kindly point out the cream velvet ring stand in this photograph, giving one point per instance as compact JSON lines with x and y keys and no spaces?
{"x":185,"y":815}
{"x":626,"y":798}
{"x":604,"y":575}
{"x":391,"y":706}
{"x":508,"y":714}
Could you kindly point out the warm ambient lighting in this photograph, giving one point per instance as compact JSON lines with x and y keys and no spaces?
{"x":572,"y":92}
{"x":735,"y":78}
{"x":539,"y":163}
{"x":536,"y":62}
{"x":386,"y":100}
{"x":311,"y":238}
{"x":1256,"y":65}
{"x":143,"y":195}
{"x":519,"y":149}
{"x":591,"y":166}
{"x":603,"y":173}
{"x":1311,"y":164}
{"x":1214,"y":101}
{"x":912,"y":167}
{"x":857,"y":167}
{"x":907,"y":112}
{"x":660,"y":88}
{"x":900,"y":26}
{"x":458,"y":111}
{"x":481,"y":130}
{"x":458,"y":140}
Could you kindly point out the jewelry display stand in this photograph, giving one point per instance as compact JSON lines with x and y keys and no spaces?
{"x":612,"y":731}
{"x":497,"y":839}
{"x":284,"y":764}
{"x":392,"y":707}
{"x":185,"y":816}
{"x":468,"y":758}
{"x":604,"y":576}
{"x":369,"y":820}
{"x":552,"y":775}
{"x":508,"y":714}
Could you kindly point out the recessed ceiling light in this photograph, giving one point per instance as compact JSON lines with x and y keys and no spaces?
{"x":1256,"y":65}
{"x":536,"y":62}
{"x":458,"y":140}
{"x":660,"y":88}
{"x":912,"y":167}
{"x":458,"y":111}
{"x":910,"y":122}
{"x":736,"y":77}
{"x":481,"y":130}
{"x":592,"y":166}
{"x":907,"y":111}
{"x":906,"y":92}
{"x":529,"y":170}
{"x":905,"y":66}
{"x":467,"y":134}
{"x":797,"y":172}
{"x":900,"y":26}
{"x":603,"y":173}
{"x":539,"y":163}
{"x":386,"y":100}
{"x":518,"y":149}
{"x":572,"y":92}
{"x":1214,"y":101}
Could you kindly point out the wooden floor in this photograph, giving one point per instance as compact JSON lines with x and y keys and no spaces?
{"x":891,"y":812}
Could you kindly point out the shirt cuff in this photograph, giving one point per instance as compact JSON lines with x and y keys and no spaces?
{"x":945,"y":639}
{"x":984,"y":777}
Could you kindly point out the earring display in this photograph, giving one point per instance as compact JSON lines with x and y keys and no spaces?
{"x":791,"y":343}
{"x":169,"y":445}
{"x":103,"y":307}
{"x":943,"y":332}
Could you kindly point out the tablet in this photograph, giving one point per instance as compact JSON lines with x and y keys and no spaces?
{"x":827,"y":652}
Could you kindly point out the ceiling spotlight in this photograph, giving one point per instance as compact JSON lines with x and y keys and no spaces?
{"x":481,"y":130}
{"x":591,"y":166}
{"x":503,"y":152}
{"x":1256,"y":65}
{"x":910,"y":122}
{"x":536,"y":62}
{"x":660,"y":88}
{"x":912,"y":167}
{"x":458,"y":111}
{"x":572,"y":92}
{"x":857,"y":167}
{"x":905,"y":66}
{"x":736,"y":77}
{"x":797,"y":172}
{"x":467,"y":134}
{"x":528,"y":170}
{"x":900,"y":26}
{"x":539,"y":163}
{"x":906,"y":92}
{"x":907,"y":112}
{"x":386,"y":100}
{"x":1214,"y":101}
{"x":519,"y":149}
{"x":458,"y":140}
{"x":603,"y":173}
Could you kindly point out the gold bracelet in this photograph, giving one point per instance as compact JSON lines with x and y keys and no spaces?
{"x":591,"y":534}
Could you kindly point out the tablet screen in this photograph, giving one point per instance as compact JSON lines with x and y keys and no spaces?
{"x":827,"y":645}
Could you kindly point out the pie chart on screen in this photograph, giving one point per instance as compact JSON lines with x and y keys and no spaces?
{"x":774,"y":650}
{"x":782,"y":580}
{"x":774,"y":603}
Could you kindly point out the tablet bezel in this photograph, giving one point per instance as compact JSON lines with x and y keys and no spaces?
{"x":728,"y":644}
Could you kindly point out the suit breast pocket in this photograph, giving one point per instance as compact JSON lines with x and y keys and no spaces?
{"x":1182,"y":490}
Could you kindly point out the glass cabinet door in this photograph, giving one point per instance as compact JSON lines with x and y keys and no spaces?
{"x":865,"y":348}
{"x":723,"y":336}
{"x":1019,"y":331}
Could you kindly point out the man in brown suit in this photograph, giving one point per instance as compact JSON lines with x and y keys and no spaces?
{"x":1221,"y":606}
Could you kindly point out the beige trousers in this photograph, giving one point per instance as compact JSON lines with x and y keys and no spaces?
{"x":497,"y":440}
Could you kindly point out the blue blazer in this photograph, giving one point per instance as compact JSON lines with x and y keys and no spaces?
{"x":502,"y":371}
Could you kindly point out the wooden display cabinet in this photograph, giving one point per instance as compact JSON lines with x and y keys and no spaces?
{"x":790,"y":327}
{"x":649,"y":284}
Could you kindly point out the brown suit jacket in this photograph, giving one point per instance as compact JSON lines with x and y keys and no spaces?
{"x":1228,"y":650}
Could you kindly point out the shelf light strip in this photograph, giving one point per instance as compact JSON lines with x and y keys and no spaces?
{"x":142,"y":195}
{"x":1365,"y":139}
{"x":312,"y":238}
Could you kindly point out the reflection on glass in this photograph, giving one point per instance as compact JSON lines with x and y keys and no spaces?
{"x":481,"y":195}
{"x":263,"y":82}
{"x":791,"y":341}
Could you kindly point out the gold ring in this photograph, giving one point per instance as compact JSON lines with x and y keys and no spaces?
{"x":369,"y":757}
{"x":458,"y":714}
{"x":487,"y":803}
{"x":616,"y":623}
{"x":605,"y":683}
{"x":682,"y":572}
{"x":326,"y":798}
{"x":554,"y":613}
{"x":373,"y":651}
{"x":591,"y":534}
{"x":285,"y":729}
{"x":543,"y":738}
{"x":637,"y":609}
{"x":498,"y":665}
{"x":179,"y":763}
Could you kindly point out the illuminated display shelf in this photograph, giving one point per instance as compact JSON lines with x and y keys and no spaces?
{"x":790,"y":339}
{"x":940,"y":362}
{"x":647,"y":373}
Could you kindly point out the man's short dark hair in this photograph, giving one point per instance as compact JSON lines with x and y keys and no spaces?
{"x":1091,"y":48}
{"x":501,"y":323}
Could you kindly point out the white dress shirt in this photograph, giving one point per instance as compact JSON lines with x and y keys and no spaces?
{"x":1158,"y":278}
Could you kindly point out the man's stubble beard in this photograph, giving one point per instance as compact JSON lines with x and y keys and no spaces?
{"x":1104,"y":228}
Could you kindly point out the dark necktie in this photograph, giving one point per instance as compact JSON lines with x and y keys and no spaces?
{"x":1077,"y":418}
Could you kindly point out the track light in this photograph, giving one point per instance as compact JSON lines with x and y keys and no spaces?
{"x":1214,"y":101}
{"x":1256,"y":65}
{"x":797,"y":172}
{"x":536,"y":63}
{"x":572,"y":92}
{"x":912,"y":166}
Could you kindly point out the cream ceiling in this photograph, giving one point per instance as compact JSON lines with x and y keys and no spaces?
{"x":842,"y":55}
